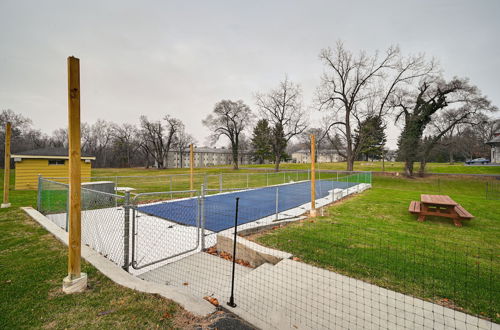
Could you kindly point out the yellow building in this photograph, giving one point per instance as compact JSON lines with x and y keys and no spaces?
{"x":48,"y":162}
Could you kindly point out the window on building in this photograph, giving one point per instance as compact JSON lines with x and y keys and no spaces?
{"x":56,"y":161}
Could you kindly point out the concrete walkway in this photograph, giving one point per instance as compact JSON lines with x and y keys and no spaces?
{"x":294,"y":295}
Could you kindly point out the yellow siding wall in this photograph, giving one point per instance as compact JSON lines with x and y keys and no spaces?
{"x":27,"y":171}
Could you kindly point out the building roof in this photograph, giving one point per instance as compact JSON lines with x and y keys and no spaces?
{"x":48,"y":153}
{"x":495,"y":140}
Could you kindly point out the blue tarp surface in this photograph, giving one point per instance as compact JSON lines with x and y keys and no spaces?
{"x":254,"y":204}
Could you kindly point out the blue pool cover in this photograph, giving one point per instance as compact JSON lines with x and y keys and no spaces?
{"x":254,"y":204}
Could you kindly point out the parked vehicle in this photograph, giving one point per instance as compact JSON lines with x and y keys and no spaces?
{"x":478,"y":161}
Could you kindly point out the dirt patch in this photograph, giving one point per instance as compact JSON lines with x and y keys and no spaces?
{"x":226,"y":256}
{"x":221,"y":319}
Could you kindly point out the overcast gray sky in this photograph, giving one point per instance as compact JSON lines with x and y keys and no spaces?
{"x":181,"y":57}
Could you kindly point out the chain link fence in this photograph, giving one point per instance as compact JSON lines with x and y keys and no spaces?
{"x":103,"y":216}
{"x":342,"y":270}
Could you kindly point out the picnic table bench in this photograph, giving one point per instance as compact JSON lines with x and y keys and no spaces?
{"x":441,"y":206}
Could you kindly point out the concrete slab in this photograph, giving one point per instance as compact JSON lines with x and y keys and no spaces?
{"x":308,"y":297}
{"x":201,"y":273}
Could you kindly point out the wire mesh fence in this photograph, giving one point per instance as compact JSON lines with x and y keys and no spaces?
{"x":493,"y":190}
{"x":363,"y":263}
{"x":320,"y":274}
{"x":356,"y":278}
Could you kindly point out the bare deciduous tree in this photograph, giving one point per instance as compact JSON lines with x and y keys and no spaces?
{"x":125,"y":143}
{"x":356,"y":87}
{"x":96,"y":139}
{"x":172,"y":126}
{"x":59,"y":138}
{"x":157,"y":139}
{"x":152,"y":140}
{"x":282,"y":107}
{"x":229,"y":119}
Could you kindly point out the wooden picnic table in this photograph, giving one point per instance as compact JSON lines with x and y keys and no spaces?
{"x":441,"y":206}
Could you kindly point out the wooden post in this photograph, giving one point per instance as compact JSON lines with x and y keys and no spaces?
{"x":76,"y":281}
{"x":6,"y":175}
{"x":191,"y":167}
{"x":313,"y":212}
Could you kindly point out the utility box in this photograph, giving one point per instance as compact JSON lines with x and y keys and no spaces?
{"x":98,"y":194}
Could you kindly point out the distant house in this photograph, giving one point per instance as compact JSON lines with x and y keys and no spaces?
{"x":49,"y":162}
{"x":495,"y":147}
{"x":324,"y":156}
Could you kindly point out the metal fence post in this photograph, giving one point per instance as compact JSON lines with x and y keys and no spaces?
{"x":202,"y":212}
{"x":39,"y":194}
{"x":277,"y":202}
{"x":220,"y":182}
{"x":284,"y":177}
{"x":231,"y":298}
{"x":126,"y":231}
{"x":247,"y":181}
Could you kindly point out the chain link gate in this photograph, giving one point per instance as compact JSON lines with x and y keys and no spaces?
{"x":155,"y":236}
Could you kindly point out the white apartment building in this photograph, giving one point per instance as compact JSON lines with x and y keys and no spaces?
{"x":205,"y":157}
{"x":324,"y":156}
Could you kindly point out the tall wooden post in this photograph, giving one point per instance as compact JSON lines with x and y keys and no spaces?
{"x":191,"y":167}
{"x":76,"y":281}
{"x":313,"y":176}
{"x":6,"y":175}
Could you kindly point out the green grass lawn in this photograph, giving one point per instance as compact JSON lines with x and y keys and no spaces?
{"x":32,"y":267}
{"x":372,"y":237}
{"x":456,"y":168}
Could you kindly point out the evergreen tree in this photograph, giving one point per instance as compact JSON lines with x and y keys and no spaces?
{"x":279,"y":142}
{"x":370,"y":137}
{"x":261,"y":141}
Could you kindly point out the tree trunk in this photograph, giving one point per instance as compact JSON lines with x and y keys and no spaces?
{"x":409,"y":167}
{"x":234,"y":148}
{"x":277,"y":161}
{"x":350,"y":161}
{"x":349,"y":151}
{"x":421,"y":170}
